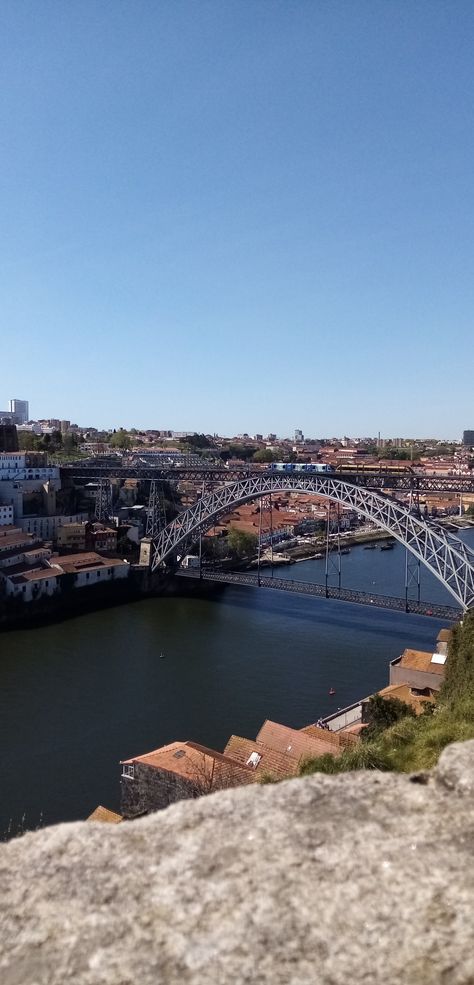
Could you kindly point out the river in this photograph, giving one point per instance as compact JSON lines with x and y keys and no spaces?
{"x":78,"y":696}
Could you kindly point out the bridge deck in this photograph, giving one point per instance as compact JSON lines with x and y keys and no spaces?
{"x":250,"y":580}
{"x":401,"y":482}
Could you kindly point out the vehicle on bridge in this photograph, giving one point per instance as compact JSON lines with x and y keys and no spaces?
{"x":310,"y":467}
{"x":375,"y":468}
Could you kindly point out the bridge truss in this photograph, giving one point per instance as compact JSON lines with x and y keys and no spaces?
{"x":447,"y":557}
{"x":403,"y":482}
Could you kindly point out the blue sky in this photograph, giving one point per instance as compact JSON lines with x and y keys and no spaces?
{"x":239,"y":216}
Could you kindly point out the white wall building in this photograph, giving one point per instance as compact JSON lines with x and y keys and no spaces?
{"x":44,"y":578}
{"x":6,"y":515}
{"x":47,"y":527}
{"x":31,"y":585}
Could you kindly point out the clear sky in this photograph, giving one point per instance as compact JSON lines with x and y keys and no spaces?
{"x":239,"y":216}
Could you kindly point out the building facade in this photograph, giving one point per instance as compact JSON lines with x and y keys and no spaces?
{"x":20,"y":410}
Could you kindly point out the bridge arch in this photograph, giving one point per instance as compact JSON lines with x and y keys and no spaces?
{"x":447,"y":557}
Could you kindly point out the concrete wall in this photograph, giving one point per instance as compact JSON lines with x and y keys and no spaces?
{"x":415,"y":678}
{"x":344,"y":717}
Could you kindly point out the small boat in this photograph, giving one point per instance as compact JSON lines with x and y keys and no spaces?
{"x":162,"y":656}
{"x":332,"y":691}
{"x":387,"y":547}
{"x":369,"y":547}
{"x":345,"y":550}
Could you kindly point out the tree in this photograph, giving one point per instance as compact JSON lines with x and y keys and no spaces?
{"x":28,"y":441}
{"x":240,"y":543}
{"x":380,"y":713}
{"x":121,"y":439}
{"x":264,"y":455}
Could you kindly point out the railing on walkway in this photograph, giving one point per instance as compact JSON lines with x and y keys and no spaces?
{"x":321,"y":591}
{"x":344,"y":717}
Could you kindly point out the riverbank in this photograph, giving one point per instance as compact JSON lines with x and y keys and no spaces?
{"x":15,"y":614}
{"x":306,"y":552}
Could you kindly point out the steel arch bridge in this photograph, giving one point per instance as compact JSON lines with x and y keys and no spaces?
{"x":447,"y":557}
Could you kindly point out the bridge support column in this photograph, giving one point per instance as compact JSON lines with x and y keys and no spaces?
{"x":412,"y":580}
{"x":333,"y":558}
{"x":103,"y":502}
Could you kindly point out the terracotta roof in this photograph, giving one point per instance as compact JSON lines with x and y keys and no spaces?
{"x":404,"y":693}
{"x":35,"y":574}
{"x":16,"y":540}
{"x":270,"y":762}
{"x":337,"y":739}
{"x":420,"y":660}
{"x":292,"y":742}
{"x":83,"y":562}
{"x":198,"y":764}
{"x":103,"y":814}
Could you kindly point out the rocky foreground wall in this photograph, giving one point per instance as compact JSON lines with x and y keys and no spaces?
{"x":362,"y":878}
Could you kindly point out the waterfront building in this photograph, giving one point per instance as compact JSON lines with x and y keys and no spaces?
{"x":179,"y":771}
{"x":36,"y":574}
{"x":419,"y":669}
{"x":184,"y":770}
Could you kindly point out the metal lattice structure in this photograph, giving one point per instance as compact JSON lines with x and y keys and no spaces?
{"x":447,"y":557}
{"x":156,"y":515}
{"x":403,"y":482}
{"x":103,"y":501}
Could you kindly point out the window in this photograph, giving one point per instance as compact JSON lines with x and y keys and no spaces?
{"x":128,"y":769}
{"x":254,"y":759}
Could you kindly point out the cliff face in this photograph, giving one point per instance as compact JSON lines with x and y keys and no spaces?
{"x":361,"y":878}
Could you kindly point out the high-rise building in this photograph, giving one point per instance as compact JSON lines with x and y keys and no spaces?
{"x":299,"y":436}
{"x":20,"y":409}
{"x":468,"y":438}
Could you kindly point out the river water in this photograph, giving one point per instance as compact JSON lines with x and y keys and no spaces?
{"x":78,"y":696}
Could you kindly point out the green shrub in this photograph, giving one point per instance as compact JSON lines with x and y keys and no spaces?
{"x":396,"y":739}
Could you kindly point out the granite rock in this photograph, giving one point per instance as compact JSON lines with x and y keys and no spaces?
{"x":360,"y":878}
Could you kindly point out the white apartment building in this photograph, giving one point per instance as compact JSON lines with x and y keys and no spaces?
{"x":47,"y":527}
{"x":19,"y":465}
{"x":6,"y":515}
{"x":31,"y":583}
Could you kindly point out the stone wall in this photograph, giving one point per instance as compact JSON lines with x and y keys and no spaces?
{"x":151,"y":789}
{"x":356,"y":879}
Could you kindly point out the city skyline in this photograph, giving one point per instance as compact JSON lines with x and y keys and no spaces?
{"x":290,"y":434}
{"x":265,"y":222}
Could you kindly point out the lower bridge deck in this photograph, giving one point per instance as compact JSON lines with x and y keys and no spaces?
{"x":249,"y":580}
